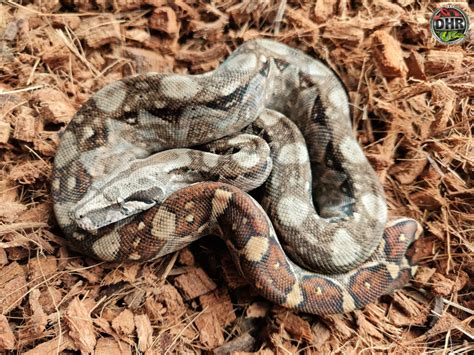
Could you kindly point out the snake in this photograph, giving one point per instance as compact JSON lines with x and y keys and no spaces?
{"x":260,"y":152}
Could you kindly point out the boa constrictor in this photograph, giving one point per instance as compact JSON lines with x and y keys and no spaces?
{"x":126,"y":185}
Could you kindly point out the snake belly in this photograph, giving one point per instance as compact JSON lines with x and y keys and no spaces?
{"x":155,"y":161}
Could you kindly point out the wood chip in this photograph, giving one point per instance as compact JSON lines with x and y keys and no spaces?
{"x":164,"y":19}
{"x":12,"y":287}
{"x":245,"y":342}
{"x":407,"y":171}
{"x":424,"y":274}
{"x":338,"y":323}
{"x":54,"y":106}
{"x":7,"y":339}
{"x":439,"y":62}
{"x":343,"y":31}
{"x":388,"y":54}
{"x":210,"y":331}
{"x":53,"y":346}
{"x":448,"y":323}
{"x":138,"y":35}
{"x":324,"y":9}
{"x":112,"y":346}
{"x":3,"y":258}
{"x":144,"y":332}
{"x":29,"y":171}
{"x":124,"y":323}
{"x":257,"y":310}
{"x":25,"y":126}
{"x":40,"y":268}
{"x":294,"y":325}
{"x":321,"y":335}
{"x":441,"y":285}
{"x":429,"y":199}
{"x":186,"y":257}
{"x":197,"y":56}
{"x":10,"y":211}
{"x":145,"y":61}
{"x":219,"y":302}
{"x":170,"y":297}
{"x":416,"y":66}
{"x":195,"y":283}
{"x":4,"y":132}
{"x":80,"y":324}
{"x":99,"y":30}
{"x":366,"y":328}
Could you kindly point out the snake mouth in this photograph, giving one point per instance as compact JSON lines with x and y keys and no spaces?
{"x":95,"y":219}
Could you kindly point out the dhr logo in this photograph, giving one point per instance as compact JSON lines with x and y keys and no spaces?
{"x":449,"y":25}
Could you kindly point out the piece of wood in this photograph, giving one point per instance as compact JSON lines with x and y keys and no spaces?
{"x":195,"y":283}
{"x":416,"y":66}
{"x":245,"y":342}
{"x":324,"y":9}
{"x":124,"y":323}
{"x":443,"y":61}
{"x":4,"y":132}
{"x":388,"y":54}
{"x":99,"y":30}
{"x":13,"y":287}
{"x":80,"y":324}
{"x":210,"y":331}
{"x":145,"y":61}
{"x":144,"y":332}
{"x":25,"y":125}
{"x":54,"y":105}
{"x":164,"y":19}
{"x":7,"y":339}
{"x":219,"y":302}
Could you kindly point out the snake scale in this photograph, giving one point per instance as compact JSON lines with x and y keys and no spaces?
{"x":154,"y":161}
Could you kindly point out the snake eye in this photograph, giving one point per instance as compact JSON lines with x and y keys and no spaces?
{"x":130,"y":117}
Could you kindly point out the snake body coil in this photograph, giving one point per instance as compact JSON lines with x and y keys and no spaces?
{"x":127,"y":186}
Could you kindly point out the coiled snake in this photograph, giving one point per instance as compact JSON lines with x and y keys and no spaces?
{"x":127,"y":187}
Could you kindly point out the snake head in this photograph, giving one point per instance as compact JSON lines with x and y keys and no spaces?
{"x":98,"y":209}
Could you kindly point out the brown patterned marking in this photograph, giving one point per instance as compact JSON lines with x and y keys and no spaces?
{"x":164,"y":224}
{"x":322,"y":293}
{"x":378,"y":278}
{"x":348,"y":303}
{"x":107,"y":247}
{"x":294,"y":297}
{"x":397,"y":237}
{"x":284,"y":277}
{"x":220,"y":202}
{"x":256,"y":248}
{"x":393,"y":269}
